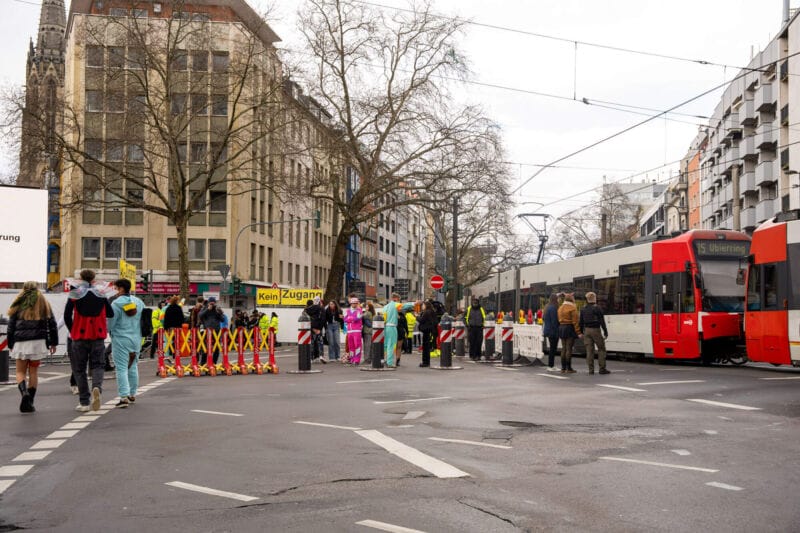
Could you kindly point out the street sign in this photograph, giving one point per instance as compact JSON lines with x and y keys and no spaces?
{"x":437,"y":282}
{"x":224,"y":270}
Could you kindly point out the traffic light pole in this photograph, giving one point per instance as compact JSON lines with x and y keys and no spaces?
{"x":316,"y":219}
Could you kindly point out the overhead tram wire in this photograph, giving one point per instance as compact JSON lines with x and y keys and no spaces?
{"x":634,"y":126}
{"x":571,"y":41}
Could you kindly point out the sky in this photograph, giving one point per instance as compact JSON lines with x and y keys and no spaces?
{"x":538,"y":130}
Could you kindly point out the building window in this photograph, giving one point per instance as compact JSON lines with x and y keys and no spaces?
{"x":178,"y":104}
{"x":200,"y":61}
{"x":94,"y":56}
{"x":91,"y":248}
{"x":135,"y":153}
{"x":112,"y":248}
{"x":219,"y":105}
{"x":118,"y":12}
{"x":94,"y":100}
{"x":179,"y":60}
{"x":280,"y":271}
{"x":199,"y":104}
{"x":198,"y":152}
{"x":297,"y":274}
{"x":220,"y":61}
{"x":114,"y":150}
{"x":197,"y":249}
{"x":172,"y":249}
{"x":289,"y":272}
{"x":133,"y":248}
{"x":116,"y":56}
{"x":216,"y":249}
{"x":136,"y":58}
{"x":115,"y":103}
{"x":218,"y":201}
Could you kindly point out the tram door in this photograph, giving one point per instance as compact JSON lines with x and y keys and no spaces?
{"x":666,"y":327}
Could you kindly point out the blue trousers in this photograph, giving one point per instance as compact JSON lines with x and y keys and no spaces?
{"x":127,"y":378}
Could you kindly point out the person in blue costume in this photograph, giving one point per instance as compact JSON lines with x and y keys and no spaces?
{"x":390,"y":327}
{"x":126,"y":340}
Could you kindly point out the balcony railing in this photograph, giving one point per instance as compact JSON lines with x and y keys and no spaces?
{"x":764,"y":97}
{"x":765,"y":172}
{"x":747,"y":182}
{"x":747,"y":113}
{"x":369,"y":262}
{"x":765,"y":135}
{"x":747,"y":218}
{"x":747,"y":148}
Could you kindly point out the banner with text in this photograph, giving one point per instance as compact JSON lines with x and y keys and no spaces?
{"x":285,"y":297}
{"x":128,"y":271}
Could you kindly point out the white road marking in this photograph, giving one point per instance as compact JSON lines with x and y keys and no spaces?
{"x":721,"y":404}
{"x":417,"y":400}
{"x":725,"y":418}
{"x":709,"y":432}
{"x":402,"y":426}
{"x":325,"y":425}
{"x":436,"y":467}
{"x":215,"y":413}
{"x":213,"y":492}
{"x":5,"y":483}
{"x":14,"y":470}
{"x":776,"y":379}
{"x":366,"y":381}
{"x":672,"y":382}
{"x":84,"y":418}
{"x":667,"y":465}
{"x":552,"y":376}
{"x":48,"y":444}
{"x":32,"y":456}
{"x":472,"y":442}
{"x":75,"y":425}
{"x":723,"y":486}
{"x":682,"y":452}
{"x":383,"y":526}
{"x":413,"y":415}
{"x":506,"y":368}
{"x":618,"y":387}
{"x":62,"y":434}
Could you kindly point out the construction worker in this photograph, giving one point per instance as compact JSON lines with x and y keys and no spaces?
{"x":474,"y":318}
{"x":411,"y":321}
{"x":273,"y":326}
{"x":157,"y":320}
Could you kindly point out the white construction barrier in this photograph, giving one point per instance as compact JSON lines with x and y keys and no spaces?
{"x":528,"y":341}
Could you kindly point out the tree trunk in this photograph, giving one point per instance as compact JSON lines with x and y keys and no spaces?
{"x":333,"y":289}
{"x":181,"y":226}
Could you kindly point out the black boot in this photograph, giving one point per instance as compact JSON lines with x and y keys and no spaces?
{"x":32,"y":394}
{"x":26,"y":405}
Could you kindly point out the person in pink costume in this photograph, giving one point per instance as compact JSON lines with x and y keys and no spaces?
{"x":352,"y":317}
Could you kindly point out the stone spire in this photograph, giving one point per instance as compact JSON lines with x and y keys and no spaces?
{"x":50,"y":43}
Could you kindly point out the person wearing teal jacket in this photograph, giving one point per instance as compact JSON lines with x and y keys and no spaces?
{"x":390,"y":327}
{"x":126,"y":340}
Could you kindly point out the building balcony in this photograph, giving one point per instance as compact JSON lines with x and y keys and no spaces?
{"x":369,"y":262}
{"x":747,"y":113}
{"x":371,"y":235}
{"x":730,"y":159}
{"x":765,"y":135}
{"x":765,"y":173}
{"x":747,"y":148}
{"x":765,"y":210}
{"x":747,"y":182}
{"x":726,"y":194}
{"x":765,"y":97}
{"x":731,"y":125}
{"x":726,"y":223}
{"x":784,"y":70}
{"x":747,"y":218}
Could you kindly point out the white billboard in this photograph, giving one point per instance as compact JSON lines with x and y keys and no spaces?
{"x":23,"y":234}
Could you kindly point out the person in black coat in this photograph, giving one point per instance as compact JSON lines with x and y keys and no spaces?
{"x":427,"y":323}
{"x":550,"y":331}
{"x":173,"y":314}
{"x":316,"y":313}
{"x":32,"y":332}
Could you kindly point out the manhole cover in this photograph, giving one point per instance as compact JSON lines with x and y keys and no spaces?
{"x":517,"y":424}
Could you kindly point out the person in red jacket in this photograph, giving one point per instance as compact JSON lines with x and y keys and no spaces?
{"x":86,"y":317}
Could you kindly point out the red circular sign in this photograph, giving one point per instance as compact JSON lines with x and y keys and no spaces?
{"x":437,"y":282}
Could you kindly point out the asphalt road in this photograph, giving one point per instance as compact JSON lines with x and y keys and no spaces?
{"x":479,"y":449}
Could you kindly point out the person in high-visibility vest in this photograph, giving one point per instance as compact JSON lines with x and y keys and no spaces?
{"x":411,"y":321}
{"x":475,"y":317}
{"x":156,"y":319}
{"x":273,"y":326}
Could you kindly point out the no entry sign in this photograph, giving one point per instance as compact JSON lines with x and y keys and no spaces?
{"x":437,"y":282}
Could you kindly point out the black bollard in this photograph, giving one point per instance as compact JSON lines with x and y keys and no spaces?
{"x":488,"y":339}
{"x":458,"y":337}
{"x":377,"y":347}
{"x":304,"y":347}
{"x":508,"y":343}
{"x":446,"y":344}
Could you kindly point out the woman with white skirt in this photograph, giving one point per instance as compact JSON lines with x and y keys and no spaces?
{"x":32,"y":333}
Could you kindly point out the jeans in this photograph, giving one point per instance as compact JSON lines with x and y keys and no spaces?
{"x":552,"y":345}
{"x":91,"y":353}
{"x":332,"y":331}
{"x":317,"y":349}
{"x":367,"y":342}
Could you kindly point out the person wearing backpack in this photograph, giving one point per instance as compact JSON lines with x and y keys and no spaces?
{"x":591,"y":322}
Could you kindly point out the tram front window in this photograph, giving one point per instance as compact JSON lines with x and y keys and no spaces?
{"x":720,"y":291}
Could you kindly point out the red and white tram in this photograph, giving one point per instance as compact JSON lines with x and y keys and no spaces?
{"x":675,"y":298}
{"x":772,"y":316}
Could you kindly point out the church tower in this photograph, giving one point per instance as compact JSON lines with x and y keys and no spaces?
{"x":40,"y":163}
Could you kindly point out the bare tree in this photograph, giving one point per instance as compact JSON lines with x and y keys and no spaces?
{"x":610,"y":219}
{"x":177,"y":116}
{"x":484,"y":244}
{"x":382,"y":75}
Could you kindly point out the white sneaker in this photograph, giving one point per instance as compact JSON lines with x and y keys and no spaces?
{"x":82,"y":408}
{"x":95,"y":399}
{"x":552,"y":369}
{"x":74,"y":389}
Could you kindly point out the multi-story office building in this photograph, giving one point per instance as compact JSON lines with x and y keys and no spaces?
{"x":749,"y":169}
{"x":103,"y":87}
